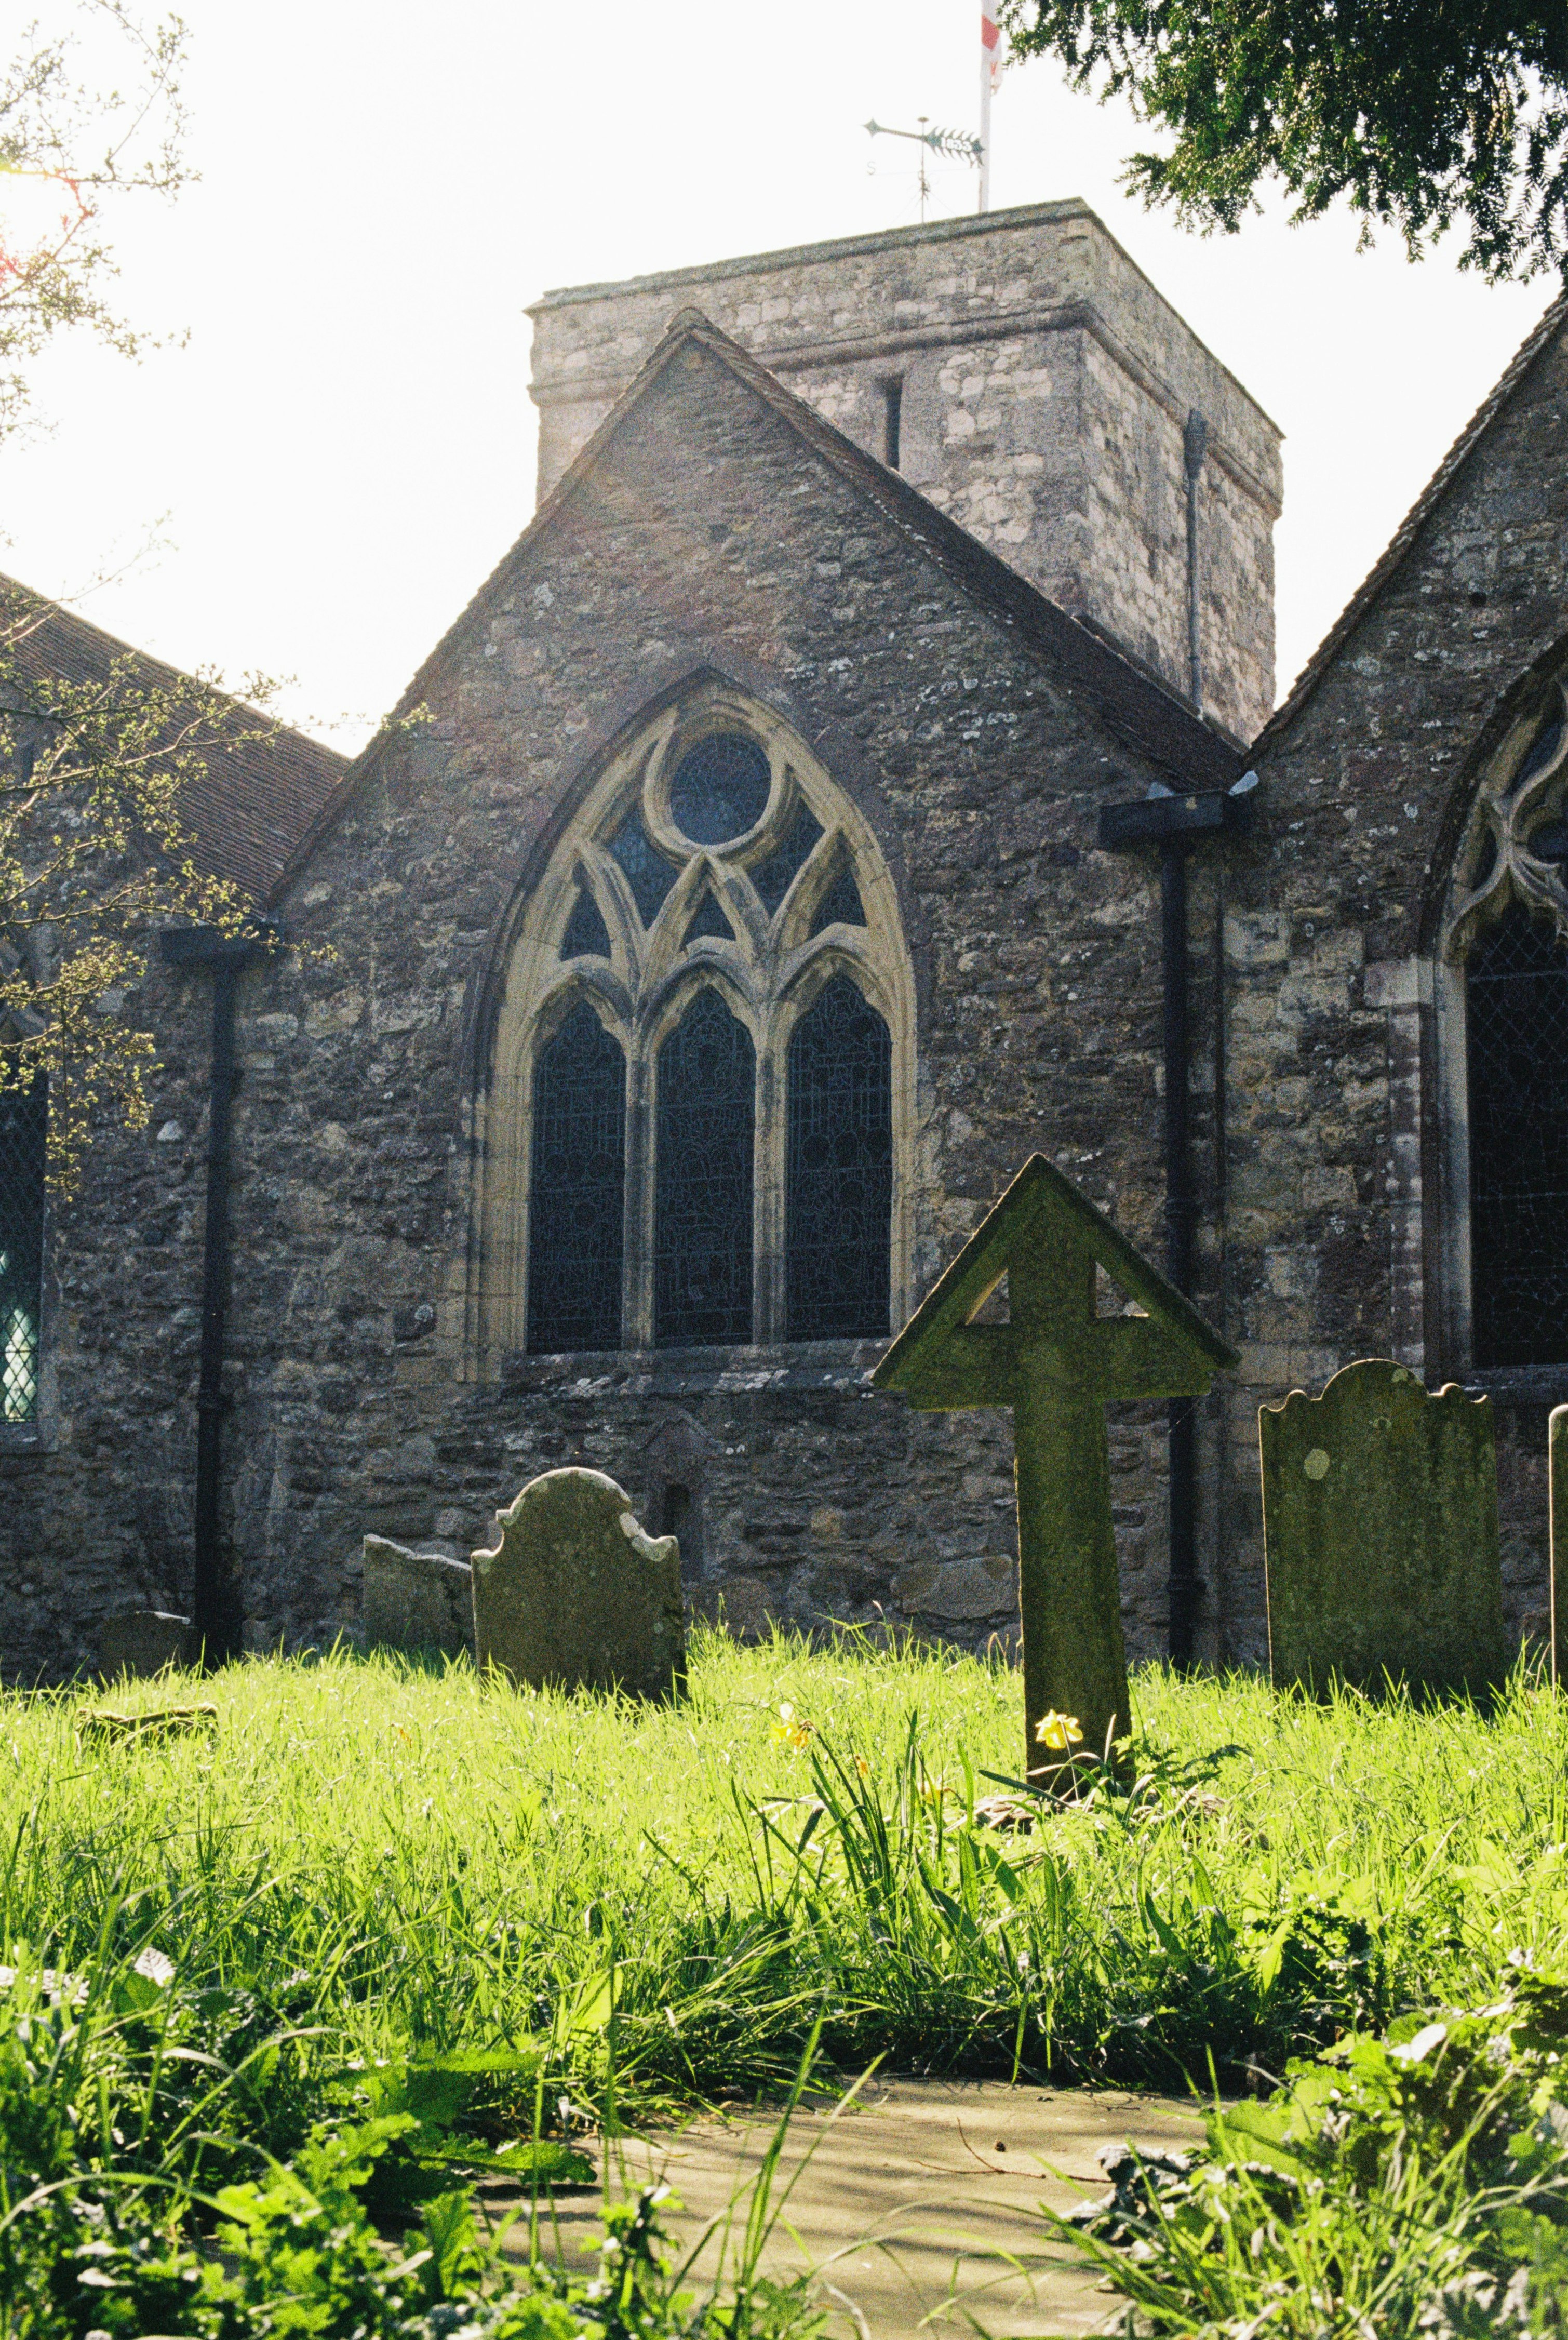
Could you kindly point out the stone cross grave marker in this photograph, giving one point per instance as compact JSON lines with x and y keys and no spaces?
{"x":1055,"y":1362}
{"x":575,"y":1594}
{"x":1380,"y":1534}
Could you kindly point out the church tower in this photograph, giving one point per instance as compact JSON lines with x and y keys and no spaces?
{"x":1022,"y":372}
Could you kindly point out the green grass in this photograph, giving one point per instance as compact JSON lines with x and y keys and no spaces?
{"x":419,"y":1857}
{"x":378,"y":1890}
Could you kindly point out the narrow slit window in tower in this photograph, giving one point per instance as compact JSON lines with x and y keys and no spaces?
{"x":892,"y":420}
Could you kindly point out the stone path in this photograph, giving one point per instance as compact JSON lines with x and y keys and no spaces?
{"x":914,"y":2206}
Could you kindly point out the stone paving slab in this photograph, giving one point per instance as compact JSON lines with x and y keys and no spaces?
{"x":916,"y":2204}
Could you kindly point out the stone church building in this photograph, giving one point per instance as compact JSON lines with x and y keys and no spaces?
{"x":655,"y":1015}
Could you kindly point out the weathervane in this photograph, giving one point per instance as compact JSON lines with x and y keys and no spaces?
{"x":961,"y":144}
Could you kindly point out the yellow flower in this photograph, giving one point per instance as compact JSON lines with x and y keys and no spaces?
{"x":791,"y":1730}
{"x":863,"y":1768}
{"x":1060,"y":1730}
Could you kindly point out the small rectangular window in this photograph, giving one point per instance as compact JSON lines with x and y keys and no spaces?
{"x":23,"y":1132}
{"x":892,"y":420}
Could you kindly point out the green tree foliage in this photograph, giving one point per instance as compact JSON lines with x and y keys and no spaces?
{"x":94,"y":766}
{"x":1420,"y":114}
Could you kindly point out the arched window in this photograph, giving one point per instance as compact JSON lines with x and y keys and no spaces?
{"x":840,"y":1177}
{"x":579,"y":1186}
{"x":23,"y":1130}
{"x":1517,"y":1039}
{"x":715,"y":940}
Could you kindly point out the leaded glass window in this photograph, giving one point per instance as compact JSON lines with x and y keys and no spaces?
{"x":586,"y":935}
{"x":689,"y":1008}
{"x":839,"y":1176}
{"x":774,"y":877}
{"x":703,"y":1178}
{"x":1517,"y":1021}
{"x":840,"y":905}
{"x":647,"y":873}
{"x":720,"y":789}
{"x":23,"y":1132}
{"x":710,"y":919}
{"x":578,"y":1184}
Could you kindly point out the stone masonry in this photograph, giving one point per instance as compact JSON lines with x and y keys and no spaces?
{"x":1042,"y":387}
{"x":722,"y":527}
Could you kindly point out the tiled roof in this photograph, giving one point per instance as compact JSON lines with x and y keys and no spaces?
{"x":1414,"y":521}
{"x":256,"y":799}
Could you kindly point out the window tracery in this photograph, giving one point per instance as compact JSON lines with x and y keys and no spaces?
{"x":23,"y":1131}
{"x":717,"y":932}
{"x":1502,"y":1013}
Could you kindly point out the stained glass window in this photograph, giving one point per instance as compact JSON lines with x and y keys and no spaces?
{"x":774,"y":877}
{"x":647,"y":873}
{"x":707,"y":1080}
{"x":23,"y":1131}
{"x":720,"y":789}
{"x":586,"y":935}
{"x":839,"y":1194}
{"x":1517,"y":996}
{"x":840,"y":905}
{"x":577,"y":1189}
{"x":710,"y":919}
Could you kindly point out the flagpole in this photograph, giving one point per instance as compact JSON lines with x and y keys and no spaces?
{"x":990,"y":36}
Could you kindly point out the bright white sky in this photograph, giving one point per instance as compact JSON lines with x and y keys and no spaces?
{"x":345,"y":447}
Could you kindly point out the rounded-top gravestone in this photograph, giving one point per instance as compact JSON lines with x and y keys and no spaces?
{"x":576,"y":1596}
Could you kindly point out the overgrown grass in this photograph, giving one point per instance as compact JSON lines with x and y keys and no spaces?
{"x":394,"y":1856}
{"x":380,"y":1893}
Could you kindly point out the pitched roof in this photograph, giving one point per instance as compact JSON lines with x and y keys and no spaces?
{"x":1414,"y":521}
{"x":1153,"y":719}
{"x":254,"y":800}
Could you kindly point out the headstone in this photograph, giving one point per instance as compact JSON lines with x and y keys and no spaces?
{"x":1055,"y":1362}
{"x":576,"y":1595}
{"x":1380,"y":1534}
{"x":141,"y":1641}
{"x":416,"y":1599}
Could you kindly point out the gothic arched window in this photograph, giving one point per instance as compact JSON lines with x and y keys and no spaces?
{"x":697,"y":1126}
{"x":1517,"y":1000}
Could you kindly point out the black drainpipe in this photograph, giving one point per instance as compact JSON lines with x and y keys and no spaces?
{"x":215,"y":1606}
{"x":1175,"y":824}
{"x":1195,"y":447}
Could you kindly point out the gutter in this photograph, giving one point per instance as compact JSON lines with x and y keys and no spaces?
{"x":1175,"y":824}
{"x":216,"y":1605}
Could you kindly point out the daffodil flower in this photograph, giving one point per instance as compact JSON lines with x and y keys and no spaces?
{"x":1062,"y":1731}
{"x":791,"y":1730}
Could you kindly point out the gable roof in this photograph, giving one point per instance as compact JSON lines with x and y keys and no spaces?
{"x":1490,"y":409}
{"x":249,"y":809}
{"x":1143,"y":710}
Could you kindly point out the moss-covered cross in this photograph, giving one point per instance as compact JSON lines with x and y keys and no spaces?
{"x":1055,"y":1362}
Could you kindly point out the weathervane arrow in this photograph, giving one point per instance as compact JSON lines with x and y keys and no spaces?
{"x":1056,"y":1363}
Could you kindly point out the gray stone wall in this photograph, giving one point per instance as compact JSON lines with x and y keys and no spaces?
{"x":709,"y":533}
{"x":1046,"y":385}
{"x":1338,"y":1235}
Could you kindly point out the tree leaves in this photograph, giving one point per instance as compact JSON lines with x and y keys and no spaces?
{"x":1420,"y":114}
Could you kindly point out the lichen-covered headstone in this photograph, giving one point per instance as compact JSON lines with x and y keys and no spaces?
{"x":576,"y":1595}
{"x":1380,"y":1534}
{"x":415,"y":1600}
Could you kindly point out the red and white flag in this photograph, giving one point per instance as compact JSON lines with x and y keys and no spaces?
{"x":993,"y":56}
